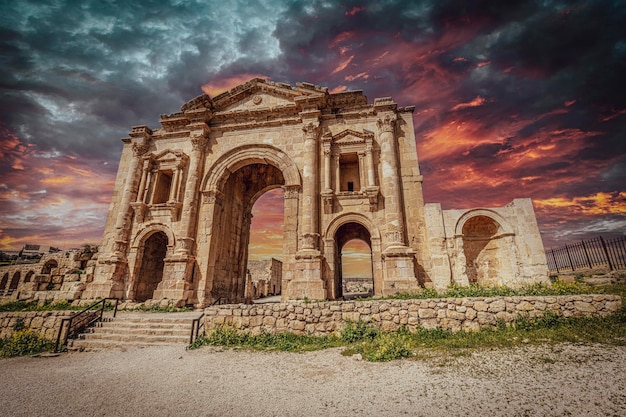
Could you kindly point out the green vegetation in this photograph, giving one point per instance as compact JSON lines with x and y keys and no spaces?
{"x":373,"y":344}
{"x":24,"y":342}
{"x":35,"y":306}
{"x":558,"y":287}
{"x":376,"y":345}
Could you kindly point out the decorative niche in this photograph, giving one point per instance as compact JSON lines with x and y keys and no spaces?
{"x":349,"y":168}
{"x":160,"y":187}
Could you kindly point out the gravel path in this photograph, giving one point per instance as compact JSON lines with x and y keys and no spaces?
{"x":558,"y":380}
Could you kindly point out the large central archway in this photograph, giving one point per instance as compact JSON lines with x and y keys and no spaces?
{"x":233,"y":186}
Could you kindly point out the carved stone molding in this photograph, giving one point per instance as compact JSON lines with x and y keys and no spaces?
{"x":372,"y":196}
{"x":199,"y":143}
{"x":394,"y":237}
{"x":291,"y":191}
{"x":310,"y":240}
{"x":140,"y":148}
{"x":212,"y":197}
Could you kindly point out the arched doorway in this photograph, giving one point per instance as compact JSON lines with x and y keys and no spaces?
{"x":482,"y":249}
{"x":28,"y":276}
{"x":348,"y":232}
{"x":49,"y":266}
{"x":232,"y":217}
{"x":151,"y":270}
{"x":3,"y":283}
{"x":14,"y":283}
{"x":356,"y":270}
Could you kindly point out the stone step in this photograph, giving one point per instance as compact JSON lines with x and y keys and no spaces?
{"x":139,"y":326}
{"x":151,"y":338}
{"x":168,"y":331}
{"x":137,"y":329}
{"x":91,"y":345}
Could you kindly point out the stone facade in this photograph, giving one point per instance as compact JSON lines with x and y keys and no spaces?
{"x":47,"y":323}
{"x":453,"y":314}
{"x":179,"y":221}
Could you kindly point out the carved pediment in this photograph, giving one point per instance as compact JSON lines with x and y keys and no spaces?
{"x":169,"y":155}
{"x":258,"y":94}
{"x":349,"y":136}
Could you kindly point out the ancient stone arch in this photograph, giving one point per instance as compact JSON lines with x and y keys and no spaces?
{"x":341,"y":230}
{"x":346,"y":166}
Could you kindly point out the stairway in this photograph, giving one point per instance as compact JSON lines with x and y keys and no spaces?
{"x":136,"y":330}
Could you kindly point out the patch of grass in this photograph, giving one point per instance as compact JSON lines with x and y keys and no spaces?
{"x":289,"y":342}
{"x":558,"y":287}
{"x":376,"y":345}
{"x":24,"y":342}
{"x":35,"y":306}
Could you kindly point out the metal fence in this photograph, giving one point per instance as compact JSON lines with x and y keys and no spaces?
{"x":594,"y":253}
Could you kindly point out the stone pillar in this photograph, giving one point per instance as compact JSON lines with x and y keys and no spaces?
{"x":337,"y":157}
{"x":362,"y":174}
{"x":307,"y":282}
{"x":398,"y":258}
{"x":369,"y":155}
{"x":390,"y":184}
{"x":122,"y":224}
{"x":327,"y":173}
{"x":141,"y":194}
{"x":184,"y":244}
{"x":310,"y":205}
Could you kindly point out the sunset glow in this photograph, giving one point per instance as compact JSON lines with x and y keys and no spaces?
{"x":511,"y":99}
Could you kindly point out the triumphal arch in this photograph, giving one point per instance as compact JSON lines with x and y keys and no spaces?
{"x":179,"y":222}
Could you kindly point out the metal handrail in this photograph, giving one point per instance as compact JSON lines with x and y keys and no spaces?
{"x":196,"y":324}
{"x":218,"y":301}
{"x":81,"y":320}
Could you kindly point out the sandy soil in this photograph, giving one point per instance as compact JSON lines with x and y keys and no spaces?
{"x":169,"y":381}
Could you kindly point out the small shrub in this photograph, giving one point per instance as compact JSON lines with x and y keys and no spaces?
{"x":356,"y":332}
{"x":25,"y":342}
{"x":18,"y":325}
{"x":387,"y":347}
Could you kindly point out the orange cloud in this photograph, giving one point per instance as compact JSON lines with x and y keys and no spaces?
{"x":478,"y":101}
{"x":343,"y":64}
{"x":218,"y":86}
{"x":599,"y":203}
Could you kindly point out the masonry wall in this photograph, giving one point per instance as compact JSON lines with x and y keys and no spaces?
{"x":45,"y":322}
{"x":449,"y":314}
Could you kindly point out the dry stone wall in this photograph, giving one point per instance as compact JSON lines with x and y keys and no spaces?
{"x":45,"y":322}
{"x":449,"y":313}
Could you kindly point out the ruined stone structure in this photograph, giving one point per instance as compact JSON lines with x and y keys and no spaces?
{"x":57,"y":276}
{"x":266,"y":277}
{"x":179,"y":221}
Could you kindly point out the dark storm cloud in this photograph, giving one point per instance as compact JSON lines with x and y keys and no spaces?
{"x":515,"y":98}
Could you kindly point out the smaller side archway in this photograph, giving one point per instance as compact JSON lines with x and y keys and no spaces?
{"x":339,"y":232}
{"x":151,"y":262}
{"x":29,"y":276}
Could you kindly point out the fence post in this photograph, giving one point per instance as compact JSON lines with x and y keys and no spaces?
{"x":606,"y":253}
{"x":569,"y":257}
{"x":586,"y":254}
{"x":555,"y":262}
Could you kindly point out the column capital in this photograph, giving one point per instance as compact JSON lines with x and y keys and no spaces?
{"x":386,"y":123}
{"x":140,"y":148}
{"x":199,"y":142}
{"x":311,"y":130}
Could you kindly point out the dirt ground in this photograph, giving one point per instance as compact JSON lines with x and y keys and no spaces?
{"x":562,"y":380}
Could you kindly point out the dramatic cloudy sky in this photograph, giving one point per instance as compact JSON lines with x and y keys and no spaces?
{"x":513,"y":98}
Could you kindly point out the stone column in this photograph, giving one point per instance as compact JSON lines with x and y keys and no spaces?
{"x":398,"y":258}
{"x":184,"y":244}
{"x":337,"y":157}
{"x":310,"y":205}
{"x":362,"y":174}
{"x":390,"y":184}
{"x":141,"y":194}
{"x":327,"y":172}
{"x":122,"y":223}
{"x":369,"y":155}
